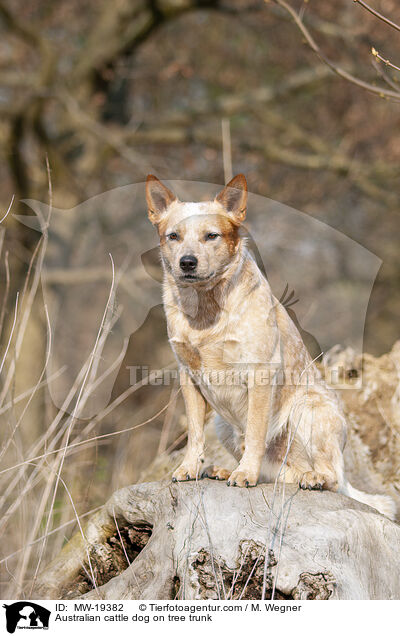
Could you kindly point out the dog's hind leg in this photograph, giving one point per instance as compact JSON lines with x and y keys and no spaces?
{"x":319,"y":429}
{"x":329,"y":462}
{"x":324,"y":435}
{"x":286,"y":458}
{"x":327,"y":472}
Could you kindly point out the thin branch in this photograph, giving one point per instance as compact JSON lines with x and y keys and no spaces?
{"x":32,"y":394}
{"x":55,"y":426}
{"x":385,"y":76}
{"x":80,"y":530}
{"x":33,"y":389}
{"x":6,"y":292}
{"x":92,"y":439}
{"x":226,"y":149}
{"x":32,"y":37}
{"x":378,"y":15}
{"x":60,"y":527}
{"x":39,"y":252}
{"x":24,"y":31}
{"x":12,"y":332}
{"x":376,"y":90}
{"x":8,"y":210}
{"x":384,"y":60}
{"x":102,"y":132}
{"x":75,"y":413}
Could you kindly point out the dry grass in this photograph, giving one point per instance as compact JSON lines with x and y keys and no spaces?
{"x":56,"y":466}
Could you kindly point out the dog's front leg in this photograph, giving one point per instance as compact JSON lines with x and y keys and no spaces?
{"x":191,"y":466}
{"x":259,"y":403}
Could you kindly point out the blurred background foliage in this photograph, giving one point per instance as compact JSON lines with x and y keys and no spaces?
{"x":110,"y":91}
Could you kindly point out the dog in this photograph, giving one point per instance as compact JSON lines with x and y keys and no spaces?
{"x":223,"y":320}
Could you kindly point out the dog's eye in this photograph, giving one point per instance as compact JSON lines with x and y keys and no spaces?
{"x":211,"y":236}
{"x":173,"y":236}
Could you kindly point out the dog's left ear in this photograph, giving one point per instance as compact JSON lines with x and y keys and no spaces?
{"x":234,"y":198}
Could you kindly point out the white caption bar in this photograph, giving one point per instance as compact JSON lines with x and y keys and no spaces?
{"x":177,"y":617}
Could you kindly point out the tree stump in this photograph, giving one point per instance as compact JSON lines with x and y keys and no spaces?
{"x":203,"y":540}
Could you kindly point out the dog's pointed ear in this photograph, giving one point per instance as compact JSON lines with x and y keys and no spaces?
{"x":234,"y":198}
{"x":158,"y":198}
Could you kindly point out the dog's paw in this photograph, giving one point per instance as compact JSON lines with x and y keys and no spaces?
{"x":312,"y":480}
{"x":216,"y":472}
{"x":242,"y":478}
{"x":186,"y":472}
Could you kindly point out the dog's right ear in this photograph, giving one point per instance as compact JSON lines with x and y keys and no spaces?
{"x":158,"y":198}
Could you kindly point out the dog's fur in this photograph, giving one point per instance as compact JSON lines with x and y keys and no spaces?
{"x":222,"y":318}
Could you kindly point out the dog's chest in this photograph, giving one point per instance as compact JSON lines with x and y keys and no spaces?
{"x":201,"y":354}
{"x":211,"y":362}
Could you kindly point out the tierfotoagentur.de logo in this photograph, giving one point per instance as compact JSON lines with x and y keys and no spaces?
{"x":26,"y":615}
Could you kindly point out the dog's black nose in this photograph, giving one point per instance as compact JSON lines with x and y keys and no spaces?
{"x":188,"y":263}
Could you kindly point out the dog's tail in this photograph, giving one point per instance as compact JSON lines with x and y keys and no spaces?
{"x":383,"y":503}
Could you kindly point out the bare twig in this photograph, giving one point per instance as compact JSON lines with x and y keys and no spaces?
{"x":74,"y":415}
{"x":384,"y":60}
{"x":378,"y":15}
{"x":376,"y":90}
{"x":6,"y":292}
{"x":226,"y":149}
{"x":11,"y":333}
{"x":384,"y":75}
{"x":32,"y":394}
{"x":33,"y":389}
{"x":88,"y":441}
{"x":51,"y":533}
{"x":8,"y":210}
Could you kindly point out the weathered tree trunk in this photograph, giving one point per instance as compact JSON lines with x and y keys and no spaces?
{"x":203,"y":540}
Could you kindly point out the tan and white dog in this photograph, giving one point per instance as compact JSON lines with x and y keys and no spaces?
{"x":233,"y":339}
